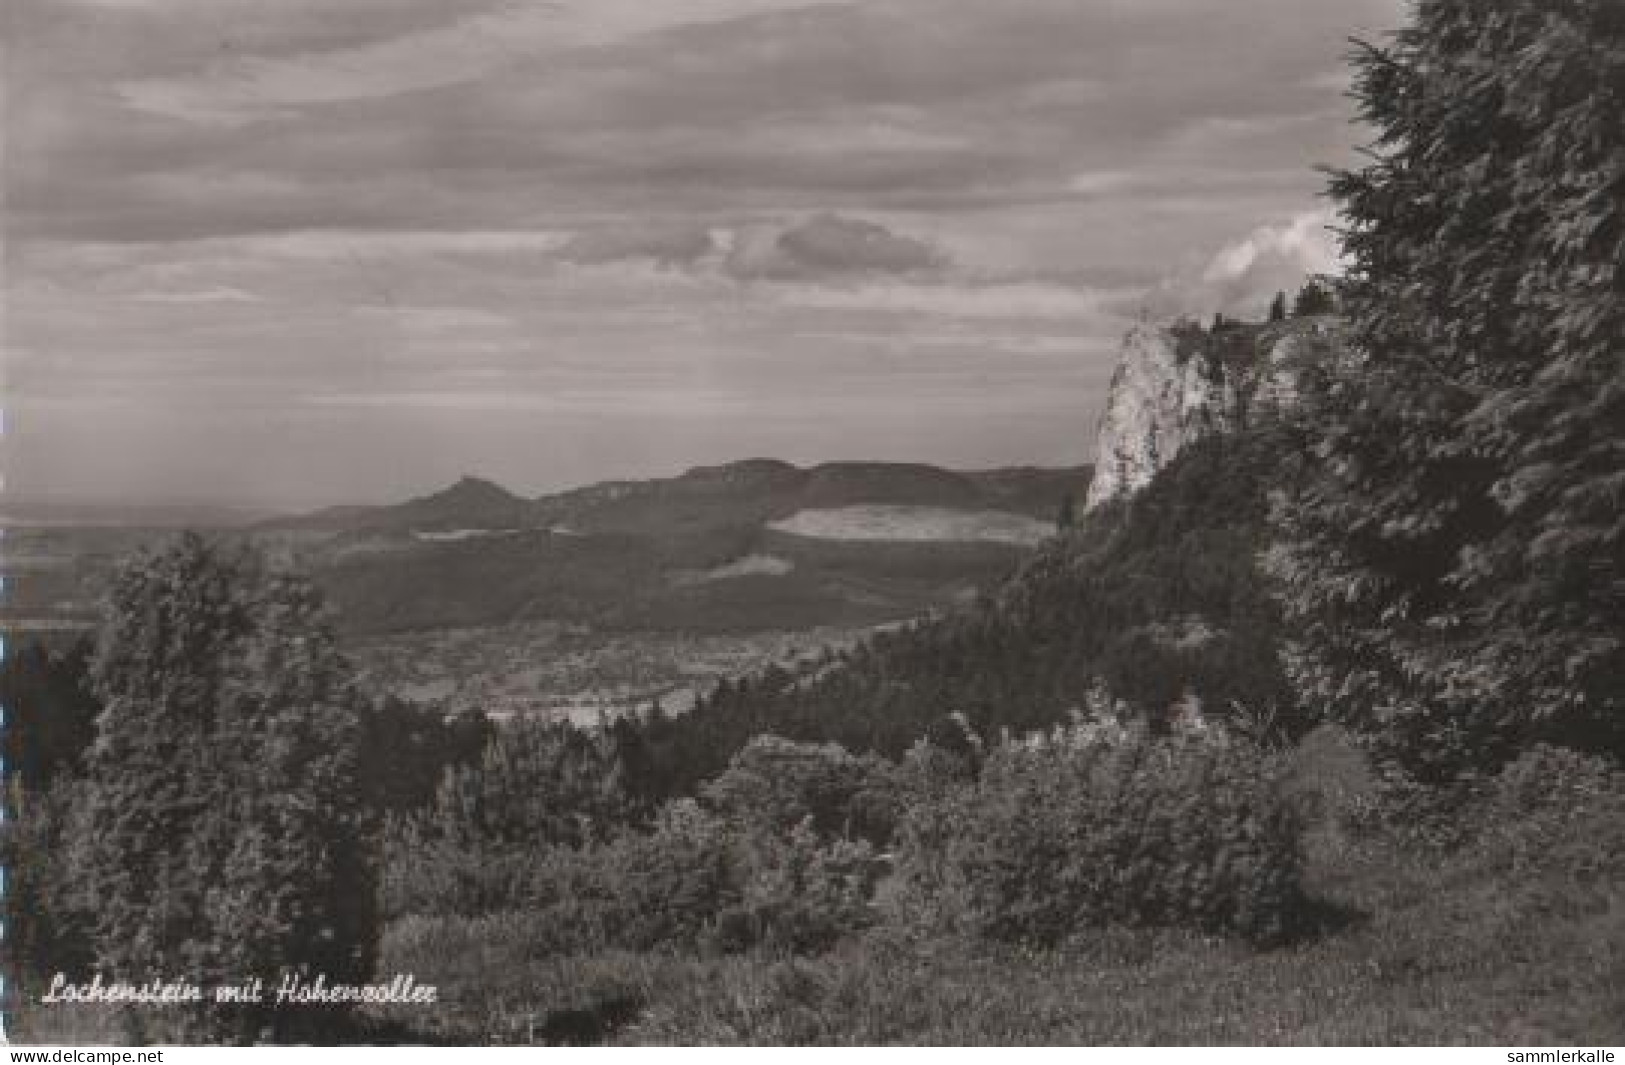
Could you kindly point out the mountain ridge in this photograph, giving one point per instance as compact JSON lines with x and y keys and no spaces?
{"x":755,"y":489}
{"x":712,"y":549}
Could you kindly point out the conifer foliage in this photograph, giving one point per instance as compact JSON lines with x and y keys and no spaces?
{"x":1453,"y":549}
{"x":220,"y":836}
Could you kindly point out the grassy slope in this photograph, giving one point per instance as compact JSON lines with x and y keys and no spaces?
{"x":1484,"y":963}
{"x":1515,"y":939}
{"x":1451,"y":952}
{"x":1494,"y":943}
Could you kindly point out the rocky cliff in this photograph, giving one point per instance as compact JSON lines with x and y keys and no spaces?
{"x":1174,"y":384}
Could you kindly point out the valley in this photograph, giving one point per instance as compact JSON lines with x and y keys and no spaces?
{"x":557,"y":672}
{"x":602,"y":598}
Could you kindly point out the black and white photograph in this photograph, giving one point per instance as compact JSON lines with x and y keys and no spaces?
{"x":781,"y":523}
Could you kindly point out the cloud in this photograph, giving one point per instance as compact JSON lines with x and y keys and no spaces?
{"x":665,"y":244}
{"x":1102,"y":182}
{"x":1306,"y":243}
{"x":191,"y":118}
{"x":467,"y":46}
{"x":776,"y":199}
{"x":447,"y":321}
{"x":1243,"y":276}
{"x":218,"y":294}
{"x":829,"y":246}
{"x":1029,"y":301}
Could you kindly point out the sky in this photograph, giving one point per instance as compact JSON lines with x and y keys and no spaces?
{"x":295,"y":252}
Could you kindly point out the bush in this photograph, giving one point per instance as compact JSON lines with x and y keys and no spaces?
{"x":1555,"y":818}
{"x":1059,"y":837}
{"x":766,"y":862}
{"x":1533,"y":799}
{"x":700,"y":882}
{"x":801,"y":894}
{"x":498,"y":984}
{"x":775,"y":784}
{"x":693,"y":882}
{"x":430,"y":874}
{"x":539,"y":789}
{"x":1547,"y":781}
{"x":537,"y":783}
{"x":665,"y":887}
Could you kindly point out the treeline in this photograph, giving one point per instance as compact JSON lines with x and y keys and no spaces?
{"x":52,"y":713}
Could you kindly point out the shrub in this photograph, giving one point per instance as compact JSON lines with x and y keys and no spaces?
{"x":664,"y":887}
{"x":766,"y":861}
{"x":776,"y":784}
{"x":537,"y":783}
{"x":539,"y":790}
{"x":700,"y":882}
{"x":1548,"y":780}
{"x":430,"y":874}
{"x":801,"y":894}
{"x":1556,"y":816}
{"x":1058,"y":837}
{"x":497,"y":983}
{"x":693,"y":882}
{"x":929,"y":769}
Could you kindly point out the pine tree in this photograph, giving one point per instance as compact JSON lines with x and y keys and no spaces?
{"x":220,"y":836}
{"x":539,"y":783}
{"x":1278,"y":307}
{"x":1315,"y":297}
{"x":1453,"y":553}
{"x":51,"y":714}
{"x":1067,"y":517}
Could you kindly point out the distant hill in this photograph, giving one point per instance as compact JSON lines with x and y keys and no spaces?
{"x":745,"y":546}
{"x":472,"y":502}
{"x":752,"y":493}
{"x":845,"y":484}
{"x":750,"y":545}
{"x":24,"y":512}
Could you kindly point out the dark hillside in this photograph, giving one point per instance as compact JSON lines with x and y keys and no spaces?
{"x":845,"y":484}
{"x":1153,"y":597}
{"x":696,"y":553}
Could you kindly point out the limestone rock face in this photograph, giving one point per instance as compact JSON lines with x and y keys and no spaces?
{"x":1144,"y":422}
{"x":1176,"y":384}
